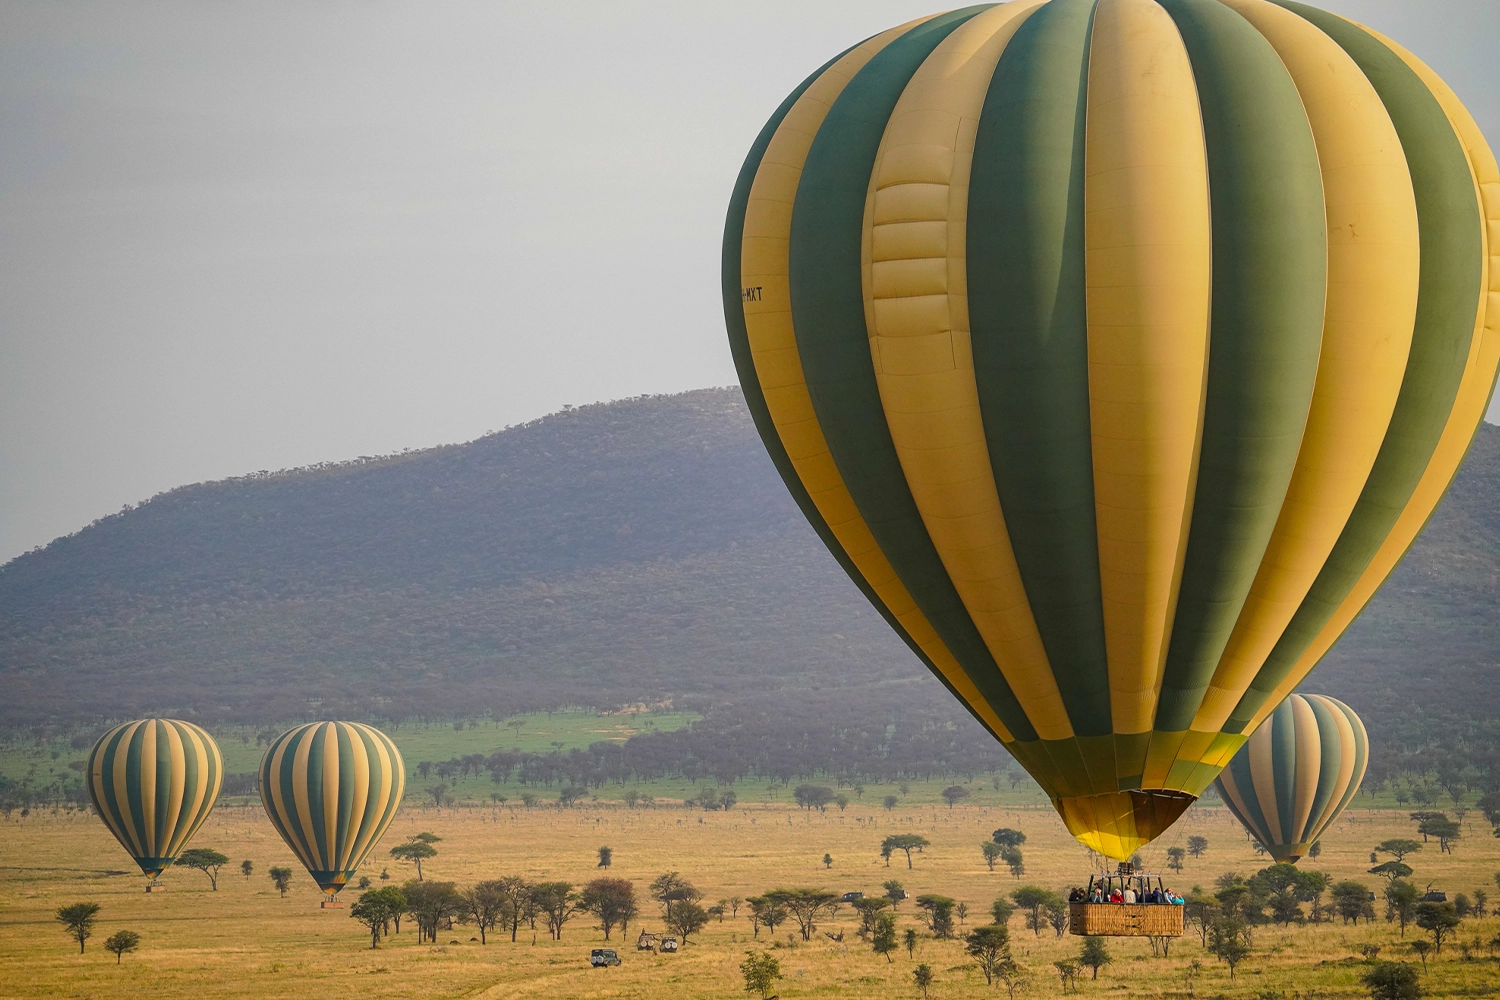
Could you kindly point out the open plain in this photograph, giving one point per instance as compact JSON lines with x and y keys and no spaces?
{"x":244,"y":940}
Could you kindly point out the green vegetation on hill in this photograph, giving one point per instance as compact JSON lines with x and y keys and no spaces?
{"x":641,"y":551}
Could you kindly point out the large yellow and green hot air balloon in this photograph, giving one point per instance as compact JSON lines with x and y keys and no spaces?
{"x":154,"y":782}
{"x":331,"y":789}
{"x":1117,"y":349}
{"x":1297,"y":773}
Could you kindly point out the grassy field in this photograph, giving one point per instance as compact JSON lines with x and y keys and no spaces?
{"x":245,"y":941}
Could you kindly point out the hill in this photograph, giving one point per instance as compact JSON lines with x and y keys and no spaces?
{"x":635,"y":551}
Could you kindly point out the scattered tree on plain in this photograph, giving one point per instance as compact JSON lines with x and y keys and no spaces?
{"x":906,"y":842}
{"x":889,"y":802}
{"x":606,"y":857}
{"x":1197,"y":845}
{"x":869,"y":909}
{"x":760,"y":971}
{"x":910,"y":940}
{"x":1398,"y":847}
{"x":1351,"y":899}
{"x":120,"y":942}
{"x":1439,"y":920}
{"x":805,"y":906}
{"x":923,"y":976}
{"x":612,"y":900}
{"x":1068,"y":972}
{"x":557,"y":902}
{"x":1001,"y":910}
{"x":1094,"y":954}
{"x":281,"y":878}
{"x":375,"y":909}
{"x":78,"y":920}
{"x":939,"y":914}
{"x":415,"y":850}
{"x":954,"y":794}
{"x":827,"y":861}
{"x":811,"y":797}
{"x":991,"y":852}
{"x":206,"y":861}
{"x":1013,"y":861}
{"x":1033,"y":899}
{"x":687,"y":919}
{"x":896,"y":892}
{"x":247,"y":868}
{"x":1175,"y":855}
{"x":989,"y":947}
{"x":1006,"y":837}
{"x":430,"y":904}
{"x":484,"y":903}
{"x":1226,"y":942}
{"x":883,"y":936}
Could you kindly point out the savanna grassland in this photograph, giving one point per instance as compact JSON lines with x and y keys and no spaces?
{"x":246,"y":941}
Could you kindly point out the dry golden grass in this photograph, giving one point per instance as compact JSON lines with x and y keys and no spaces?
{"x":245,"y":941}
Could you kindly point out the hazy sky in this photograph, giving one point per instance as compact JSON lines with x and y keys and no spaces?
{"x":252,"y":236}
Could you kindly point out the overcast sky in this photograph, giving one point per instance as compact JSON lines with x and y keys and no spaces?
{"x":253,"y":236}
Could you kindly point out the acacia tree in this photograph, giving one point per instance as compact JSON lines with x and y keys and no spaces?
{"x":1013,"y":860}
{"x":1006,"y":837}
{"x":907,"y":842}
{"x":869,"y":909}
{"x":1032,"y":898}
{"x":1094,"y":954}
{"x":120,"y":942}
{"x":515,"y":896}
{"x":760,"y":971}
{"x":991,"y":852}
{"x":431,"y":903}
{"x":281,"y":878}
{"x":247,"y":868}
{"x":78,"y":920}
{"x":990,"y":948}
{"x":939,"y":914}
{"x":557,"y":902}
{"x":1197,"y":846}
{"x":206,"y":861}
{"x":687,"y":918}
{"x":883,"y":938}
{"x":1398,"y":847}
{"x":954,"y":794}
{"x":415,"y":850}
{"x":375,"y":909}
{"x":1439,"y":920}
{"x":612,"y":900}
{"x":805,"y":906}
{"x":485,"y":903}
{"x":1226,"y":942}
{"x":1174,"y":858}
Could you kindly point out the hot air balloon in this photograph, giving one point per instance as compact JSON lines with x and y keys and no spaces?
{"x":331,"y":789}
{"x":153,"y":782}
{"x":1117,"y":350}
{"x":1297,"y":773}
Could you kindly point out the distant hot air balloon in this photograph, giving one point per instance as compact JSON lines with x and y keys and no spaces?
{"x":1118,"y":350}
{"x":331,"y":789}
{"x":1297,"y":773}
{"x":153,"y":782}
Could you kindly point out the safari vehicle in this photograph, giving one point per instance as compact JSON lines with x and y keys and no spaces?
{"x":1088,"y":919}
{"x":668,"y":943}
{"x":850,"y":897}
{"x":603,"y":956}
{"x":646,"y":942}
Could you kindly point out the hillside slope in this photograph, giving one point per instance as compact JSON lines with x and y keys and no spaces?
{"x":636,"y":550}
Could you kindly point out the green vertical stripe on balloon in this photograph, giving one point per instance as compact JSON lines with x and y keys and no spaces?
{"x":111,"y":804}
{"x":312,"y":776}
{"x":1270,"y":260}
{"x":1284,"y":770}
{"x":135,"y":808}
{"x":290,"y":779}
{"x":1328,"y":773}
{"x":1447,"y":300}
{"x":213,"y":782}
{"x":1029,"y":331}
{"x":347,"y":779}
{"x":187,"y":813}
{"x":163,"y":776}
{"x":828,"y":315}
{"x":755,"y":399}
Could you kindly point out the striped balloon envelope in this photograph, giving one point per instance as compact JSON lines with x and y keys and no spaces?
{"x":1118,"y":350}
{"x":1297,"y":773}
{"x":154,"y":782}
{"x":331,"y":790}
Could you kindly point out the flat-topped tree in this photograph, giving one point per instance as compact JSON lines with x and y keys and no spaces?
{"x":78,"y":920}
{"x":1398,"y":847}
{"x":206,"y":861}
{"x":906,"y":842}
{"x":415,"y":851}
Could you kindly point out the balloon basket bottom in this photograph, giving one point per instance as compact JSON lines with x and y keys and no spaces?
{"x":155,"y":887}
{"x":331,"y":904}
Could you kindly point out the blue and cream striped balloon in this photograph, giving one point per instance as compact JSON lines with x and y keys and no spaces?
{"x":153,"y":782}
{"x":331,"y":789}
{"x":1297,"y":773}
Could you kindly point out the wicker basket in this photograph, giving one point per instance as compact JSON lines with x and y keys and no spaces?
{"x":1125,"y":919}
